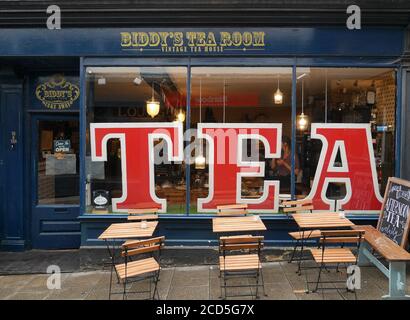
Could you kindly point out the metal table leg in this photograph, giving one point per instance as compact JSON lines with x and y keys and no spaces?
{"x":302,"y":244}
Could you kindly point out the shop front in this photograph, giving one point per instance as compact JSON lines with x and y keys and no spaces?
{"x":186,"y":119}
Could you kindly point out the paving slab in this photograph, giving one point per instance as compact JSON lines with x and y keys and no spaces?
{"x":15,"y":281}
{"x":87,"y":278}
{"x":82,"y":279}
{"x":5,"y":293}
{"x":190,"y":277}
{"x":189,"y":293}
{"x":71,"y":293}
{"x":32,"y":295}
{"x":277,"y":291}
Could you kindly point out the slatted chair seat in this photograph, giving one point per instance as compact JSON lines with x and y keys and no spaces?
{"x":239,"y":262}
{"x":336,"y":255}
{"x":135,"y":268}
{"x":298,"y":235}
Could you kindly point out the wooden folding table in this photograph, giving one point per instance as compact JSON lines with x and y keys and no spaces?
{"x":125,"y":231}
{"x":307,"y":222}
{"x":237,"y":224}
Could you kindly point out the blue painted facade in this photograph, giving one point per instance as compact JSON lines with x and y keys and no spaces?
{"x":70,"y":51}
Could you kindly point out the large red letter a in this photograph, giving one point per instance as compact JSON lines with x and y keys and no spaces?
{"x":356,"y":170}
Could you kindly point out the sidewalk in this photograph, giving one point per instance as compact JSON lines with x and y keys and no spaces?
{"x":180,"y":282}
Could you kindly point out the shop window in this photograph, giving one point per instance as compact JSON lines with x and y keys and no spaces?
{"x":240,"y":95}
{"x":351,"y":98}
{"x":117,"y":95}
{"x":344,"y":143}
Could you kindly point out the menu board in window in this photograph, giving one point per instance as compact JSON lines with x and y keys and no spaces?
{"x":394,"y":218}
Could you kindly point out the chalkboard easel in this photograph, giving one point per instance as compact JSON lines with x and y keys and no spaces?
{"x":394,"y":219}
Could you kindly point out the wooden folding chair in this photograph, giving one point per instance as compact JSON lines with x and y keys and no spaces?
{"x":232,"y":210}
{"x":234,"y":263}
{"x":333,"y":253}
{"x":141,"y":269}
{"x":142,"y":214}
{"x":299,"y":206}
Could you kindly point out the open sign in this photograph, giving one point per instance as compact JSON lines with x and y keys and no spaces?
{"x":61,"y":146}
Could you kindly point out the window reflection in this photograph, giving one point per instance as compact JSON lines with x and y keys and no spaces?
{"x":346,"y":95}
{"x":58,"y":162}
{"x":241,"y":95}
{"x":132,"y":94}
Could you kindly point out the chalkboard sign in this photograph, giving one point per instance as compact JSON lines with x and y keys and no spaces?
{"x":394,"y":218}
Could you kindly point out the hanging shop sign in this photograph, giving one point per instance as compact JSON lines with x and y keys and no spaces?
{"x":227,"y":166}
{"x":57,"y":93}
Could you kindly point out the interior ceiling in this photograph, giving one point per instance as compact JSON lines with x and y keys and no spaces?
{"x":260,"y":81}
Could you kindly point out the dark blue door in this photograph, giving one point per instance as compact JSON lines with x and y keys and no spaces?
{"x":55,"y":181}
{"x":12,"y":216}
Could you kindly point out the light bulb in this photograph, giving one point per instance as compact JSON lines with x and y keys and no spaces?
{"x":302,"y":122}
{"x":278,"y":97}
{"x":181,"y":116}
{"x":200,"y":162}
{"x":153,"y":107}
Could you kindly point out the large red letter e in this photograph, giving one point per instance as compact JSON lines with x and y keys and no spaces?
{"x":227,"y":165}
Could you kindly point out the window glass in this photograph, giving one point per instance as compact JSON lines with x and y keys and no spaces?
{"x":123,"y":95}
{"x":241,"y":95}
{"x":58,"y":162}
{"x":348,"y":96}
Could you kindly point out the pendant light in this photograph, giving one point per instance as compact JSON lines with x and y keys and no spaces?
{"x":302,"y":118}
{"x":181,"y":116}
{"x":153,"y":105}
{"x":200,"y":159}
{"x":278,"y":96}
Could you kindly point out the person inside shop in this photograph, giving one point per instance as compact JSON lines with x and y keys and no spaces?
{"x":280,"y":169}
